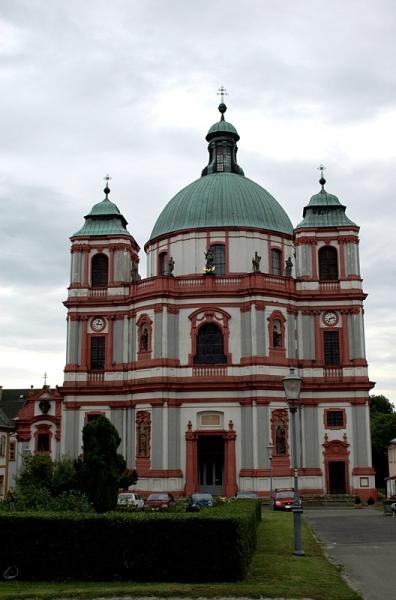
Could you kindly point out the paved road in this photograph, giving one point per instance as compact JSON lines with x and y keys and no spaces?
{"x":364,"y":542}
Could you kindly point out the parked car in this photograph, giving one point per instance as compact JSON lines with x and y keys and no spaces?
{"x":199,"y":501}
{"x":283,"y":499}
{"x":246,"y":496}
{"x":159,"y":501}
{"x":130,"y":500}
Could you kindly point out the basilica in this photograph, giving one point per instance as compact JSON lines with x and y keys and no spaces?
{"x":188,"y":362}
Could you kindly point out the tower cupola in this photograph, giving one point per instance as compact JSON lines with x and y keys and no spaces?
{"x":222,"y":138}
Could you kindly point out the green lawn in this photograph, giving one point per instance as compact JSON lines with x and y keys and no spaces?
{"x":274,"y":572}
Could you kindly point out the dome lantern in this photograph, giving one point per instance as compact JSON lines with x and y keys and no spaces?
{"x":222,"y":138}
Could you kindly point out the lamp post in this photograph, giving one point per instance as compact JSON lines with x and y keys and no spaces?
{"x":292,"y":386}
{"x":270,"y":450}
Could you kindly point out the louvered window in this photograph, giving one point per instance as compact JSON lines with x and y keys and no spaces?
{"x":328,"y":263}
{"x":331,"y":348}
{"x":100,"y":269}
{"x":97,"y":353}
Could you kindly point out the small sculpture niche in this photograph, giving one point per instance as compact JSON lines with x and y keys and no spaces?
{"x":280,"y":438}
{"x":288,"y":267}
{"x":144,"y":338}
{"x":276,"y":334}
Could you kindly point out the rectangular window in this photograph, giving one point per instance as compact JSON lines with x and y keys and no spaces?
{"x":276,"y":262}
{"x":1,"y":486}
{"x":97,"y":353}
{"x":335,"y":418}
{"x":331,"y":348}
{"x":43,"y":442}
{"x":12,"y":451}
{"x":219,"y":258}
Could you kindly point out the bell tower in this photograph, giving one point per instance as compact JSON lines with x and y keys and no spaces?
{"x":104,"y":266}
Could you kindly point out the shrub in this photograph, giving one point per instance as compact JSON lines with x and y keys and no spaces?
{"x":214,"y":545}
{"x":370,"y":501}
{"x":358,"y":500}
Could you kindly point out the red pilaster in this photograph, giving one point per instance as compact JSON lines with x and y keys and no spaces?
{"x":230,"y":483}
{"x":191,"y":461}
{"x":84,"y":343}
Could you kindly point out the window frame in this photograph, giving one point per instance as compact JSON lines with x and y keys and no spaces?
{"x":328,"y":270}
{"x":275,"y":251}
{"x":100,"y":363}
{"x":221,"y":346}
{"x":331,"y":411}
{"x":102,"y":281}
{"x":331,"y":356}
{"x":220,"y":265}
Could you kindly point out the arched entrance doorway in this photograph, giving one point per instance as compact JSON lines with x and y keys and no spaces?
{"x":336,"y":459}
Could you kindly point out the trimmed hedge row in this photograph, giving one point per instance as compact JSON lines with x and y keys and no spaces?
{"x":214,"y":545}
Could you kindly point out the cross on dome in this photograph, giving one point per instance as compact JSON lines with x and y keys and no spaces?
{"x":107,"y":189}
{"x":322,"y":180}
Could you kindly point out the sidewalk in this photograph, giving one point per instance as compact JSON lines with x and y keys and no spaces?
{"x":364,"y":543}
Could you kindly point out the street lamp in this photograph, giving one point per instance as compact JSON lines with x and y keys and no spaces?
{"x":292,"y":386}
{"x":270,"y":449}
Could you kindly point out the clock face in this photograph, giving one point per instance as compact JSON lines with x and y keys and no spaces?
{"x":330,"y":318}
{"x":98,"y":323}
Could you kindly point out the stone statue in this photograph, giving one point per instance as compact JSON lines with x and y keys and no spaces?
{"x":135,"y":273}
{"x":210,"y":266}
{"x":142,"y":440}
{"x":289,"y":267}
{"x":171,"y":265}
{"x":280,"y":438}
{"x":256,"y":262}
{"x":144,"y":340}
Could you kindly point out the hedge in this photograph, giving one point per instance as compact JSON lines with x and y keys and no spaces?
{"x":214,"y":545}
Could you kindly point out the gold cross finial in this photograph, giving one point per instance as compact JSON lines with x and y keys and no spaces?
{"x":222,"y":92}
{"x":321,"y":168}
{"x":107,"y":178}
{"x":45,"y":378}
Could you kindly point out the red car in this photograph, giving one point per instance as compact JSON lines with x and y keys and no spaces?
{"x":283,"y":499}
{"x":159,"y":501}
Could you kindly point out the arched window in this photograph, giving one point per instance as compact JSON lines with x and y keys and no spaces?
{"x":328,"y":263}
{"x":163,"y":263}
{"x":100,"y":270}
{"x":276,"y":258}
{"x":218,"y":258}
{"x":210,"y":345}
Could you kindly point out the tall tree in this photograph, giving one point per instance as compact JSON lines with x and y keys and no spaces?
{"x":383,"y":430}
{"x":100,"y":468}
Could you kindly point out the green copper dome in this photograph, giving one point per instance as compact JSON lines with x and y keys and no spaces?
{"x":222,"y":127}
{"x":222,"y":200}
{"x":223,"y":196}
{"x":104,"y":219}
{"x":325,"y":210}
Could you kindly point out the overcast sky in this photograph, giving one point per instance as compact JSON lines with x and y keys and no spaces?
{"x":129,"y":88}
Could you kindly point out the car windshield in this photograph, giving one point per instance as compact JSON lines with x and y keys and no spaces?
{"x":284,"y":494}
{"x":197,"y":497}
{"x":245,"y":495}
{"x":158,"y":497}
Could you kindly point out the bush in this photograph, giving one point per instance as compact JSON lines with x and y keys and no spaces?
{"x":214,"y":545}
{"x":358,"y":500}
{"x":34,"y":498}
